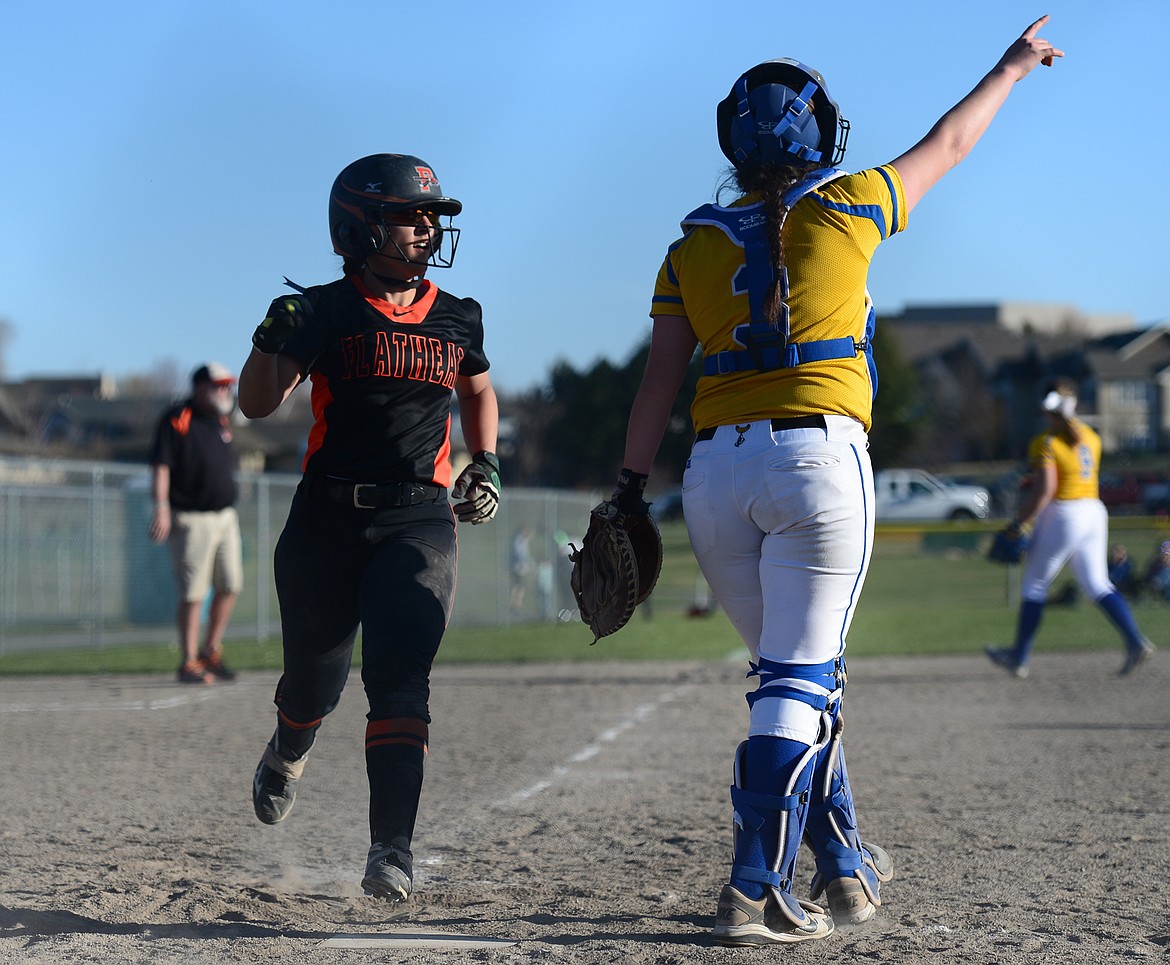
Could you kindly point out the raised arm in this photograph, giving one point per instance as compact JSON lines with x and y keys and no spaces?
{"x":958,"y":129}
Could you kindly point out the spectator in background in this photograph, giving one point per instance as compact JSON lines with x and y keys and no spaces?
{"x":1121,"y":571}
{"x":195,"y":496}
{"x":521,"y":565}
{"x":1158,"y":572}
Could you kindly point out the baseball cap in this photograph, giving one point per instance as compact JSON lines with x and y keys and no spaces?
{"x":213,"y":372}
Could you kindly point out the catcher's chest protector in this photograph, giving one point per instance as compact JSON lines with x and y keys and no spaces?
{"x":766,"y":346}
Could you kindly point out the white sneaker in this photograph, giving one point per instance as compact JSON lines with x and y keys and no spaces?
{"x":741,"y":922}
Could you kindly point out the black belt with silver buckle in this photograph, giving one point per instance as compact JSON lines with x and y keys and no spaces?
{"x":346,"y":492}
{"x":778,"y":425}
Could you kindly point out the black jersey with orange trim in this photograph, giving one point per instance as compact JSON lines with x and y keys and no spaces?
{"x":382,"y":377}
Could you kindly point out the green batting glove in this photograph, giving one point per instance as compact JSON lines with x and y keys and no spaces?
{"x":477,"y":490}
{"x":286,"y":316}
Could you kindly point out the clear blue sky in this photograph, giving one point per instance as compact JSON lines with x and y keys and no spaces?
{"x":166,"y":163}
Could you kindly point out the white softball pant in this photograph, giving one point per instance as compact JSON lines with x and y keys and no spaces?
{"x":781,"y":523}
{"x":1073,"y":531}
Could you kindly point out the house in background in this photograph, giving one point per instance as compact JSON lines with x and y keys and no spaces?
{"x":982,"y":367}
{"x":85,"y":417}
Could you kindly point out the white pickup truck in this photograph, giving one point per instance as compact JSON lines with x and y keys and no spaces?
{"x":915,"y":494}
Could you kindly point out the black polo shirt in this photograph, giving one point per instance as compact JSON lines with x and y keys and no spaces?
{"x":198,"y":450}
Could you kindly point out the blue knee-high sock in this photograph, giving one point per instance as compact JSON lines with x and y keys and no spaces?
{"x":1121,"y":616}
{"x":1026,"y":627}
{"x":767,"y":766}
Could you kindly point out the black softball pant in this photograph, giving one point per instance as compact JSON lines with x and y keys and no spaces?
{"x":390,"y":572}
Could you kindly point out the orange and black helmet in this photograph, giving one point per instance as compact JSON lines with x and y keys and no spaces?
{"x":383,"y":182}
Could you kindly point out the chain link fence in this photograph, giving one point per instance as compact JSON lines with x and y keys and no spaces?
{"x":77,"y":567}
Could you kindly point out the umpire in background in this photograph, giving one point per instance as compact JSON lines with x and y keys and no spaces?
{"x":195,"y":510}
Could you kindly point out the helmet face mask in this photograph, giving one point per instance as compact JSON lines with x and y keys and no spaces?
{"x":368,"y":194}
{"x":444,"y":238}
{"x":780,"y":111}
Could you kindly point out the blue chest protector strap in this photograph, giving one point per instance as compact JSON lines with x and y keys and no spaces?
{"x":766,"y":346}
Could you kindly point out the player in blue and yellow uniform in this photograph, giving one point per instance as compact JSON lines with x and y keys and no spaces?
{"x":1071,"y":526}
{"x":370,"y":538}
{"x":778,"y":491}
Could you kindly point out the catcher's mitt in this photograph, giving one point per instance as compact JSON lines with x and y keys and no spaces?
{"x":1009,"y":546}
{"x":616,"y":567}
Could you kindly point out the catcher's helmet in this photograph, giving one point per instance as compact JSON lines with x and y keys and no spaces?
{"x":386,"y":182}
{"x":780,"y":111}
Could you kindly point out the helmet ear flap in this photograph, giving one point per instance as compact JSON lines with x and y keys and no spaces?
{"x":376,"y":236}
{"x":350,"y":239}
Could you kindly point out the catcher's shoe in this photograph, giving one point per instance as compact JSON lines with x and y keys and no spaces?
{"x":193,"y":672}
{"x":850,"y":903}
{"x":389,"y":873}
{"x":1007,"y":660}
{"x":741,"y":922}
{"x":1135,"y":657}
{"x":274,"y":785}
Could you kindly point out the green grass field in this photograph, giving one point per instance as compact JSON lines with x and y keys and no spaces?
{"x":929,"y":591}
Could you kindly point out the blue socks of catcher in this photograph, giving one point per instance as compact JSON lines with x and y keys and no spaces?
{"x":768,"y":765}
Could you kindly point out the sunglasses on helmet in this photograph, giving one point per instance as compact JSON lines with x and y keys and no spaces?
{"x":404,"y":217}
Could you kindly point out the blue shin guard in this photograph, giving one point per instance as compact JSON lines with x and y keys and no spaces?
{"x":848,"y":869}
{"x":770,"y":797}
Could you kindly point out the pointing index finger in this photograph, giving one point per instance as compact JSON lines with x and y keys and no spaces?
{"x":1035,"y":28}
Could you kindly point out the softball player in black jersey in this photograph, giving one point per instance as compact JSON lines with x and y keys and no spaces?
{"x":370,"y":538}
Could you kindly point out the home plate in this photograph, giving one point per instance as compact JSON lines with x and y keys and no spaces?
{"x":416,"y":940}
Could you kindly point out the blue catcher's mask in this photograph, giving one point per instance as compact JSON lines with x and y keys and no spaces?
{"x":780,"y":111}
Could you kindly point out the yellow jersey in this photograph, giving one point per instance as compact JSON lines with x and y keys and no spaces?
{"x":829,"y":238}
{"x":1077,"y":463}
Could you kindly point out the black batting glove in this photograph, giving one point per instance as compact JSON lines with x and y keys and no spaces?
{"x":627,"y":495}
{"x":286,"y":316}
{"x":478,"y":489}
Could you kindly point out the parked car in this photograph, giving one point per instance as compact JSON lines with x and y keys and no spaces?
{"x":916,"y":494}
{"x":1136,"y":493}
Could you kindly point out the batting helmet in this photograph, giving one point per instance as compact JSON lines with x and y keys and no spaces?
{"x":780,"y":111}
{"x":386,"y":182}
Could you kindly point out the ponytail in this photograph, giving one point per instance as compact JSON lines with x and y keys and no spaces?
{"x":770,"y":182}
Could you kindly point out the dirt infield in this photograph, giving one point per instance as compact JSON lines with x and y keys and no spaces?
{"x":582,"y":813}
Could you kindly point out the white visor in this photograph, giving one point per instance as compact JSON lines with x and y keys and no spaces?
{"x":1066,"y":405}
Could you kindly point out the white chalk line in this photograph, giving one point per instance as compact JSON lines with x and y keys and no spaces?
{"x":146,"y":705}
{"x":416,"y":941}
{"x":639,"y":715}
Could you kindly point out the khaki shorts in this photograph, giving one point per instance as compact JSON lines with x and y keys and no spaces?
{"x":206,"y":552}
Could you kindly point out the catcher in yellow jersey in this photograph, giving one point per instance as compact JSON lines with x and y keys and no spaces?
{"x":1071,"y":526}
{"x":778,"y":491}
